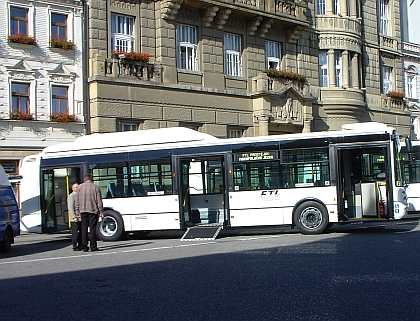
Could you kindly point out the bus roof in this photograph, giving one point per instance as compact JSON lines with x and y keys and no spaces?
{"x":180,"y":136}
{"x":132,"y":138}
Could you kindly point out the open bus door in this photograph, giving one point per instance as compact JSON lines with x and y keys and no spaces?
{"x":364,"y":183}
{"x":202,"y":191}
{"x":56,"y":185}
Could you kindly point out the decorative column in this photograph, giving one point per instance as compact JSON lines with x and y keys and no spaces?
{"x":329,"y":7}
{"x":331,"y":68}
{"x":345,"y":63}
{"x":343,"y":7}
{"x":353,"y":9}
{"x":355,"y":71}
{"x":263,"y":125}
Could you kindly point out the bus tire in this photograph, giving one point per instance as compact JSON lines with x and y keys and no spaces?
{"x":111,"y":228}
{"x":6,"y":244}
{"x":311,"y":218}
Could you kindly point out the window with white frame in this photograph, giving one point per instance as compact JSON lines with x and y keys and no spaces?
{"x":384,"y":17}
{"x":273,"y":55}
{"x":336,"y":6}
{"x":19,"y":23}
{"x":59,"y":100}
{"x":338,"y":69}
{"x":20,"y":98}
{"x":323,"y":68}
{"x":233,"y":61}
{"x":411,"y":83}
{"x":122,"y":33}
{"x":58,"y":26}
{"x":321,"y":7}
{"x":386,"y":79}
{"x":187,"y":47}
{"x":125,"y":127}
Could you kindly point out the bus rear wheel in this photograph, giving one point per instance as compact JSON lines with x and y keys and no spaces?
{"x":111,"y":227}
{"x":6,"y":244}
{"x":311,"y":218}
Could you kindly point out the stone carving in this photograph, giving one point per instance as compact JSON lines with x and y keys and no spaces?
{"x":126,"y":4}
{"x":209,"y":15}
{"x":169,"y":8}
{"x":222,"y":17}
{"x":285,"y":109}
{"x":253,"y":25}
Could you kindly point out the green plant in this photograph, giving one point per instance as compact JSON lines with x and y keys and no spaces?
{"x":61,"y":43}
{"x":63,"y":117}
{"x":23,"y":39}
{"x":132,"y":55}
{"x":395,"y":94}
{"x":285,"y":74}
{"x":16,"y":114}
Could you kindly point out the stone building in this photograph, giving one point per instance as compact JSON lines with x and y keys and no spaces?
{"x":40,"y":76}
{"x":207,"y":63}
{"x":410,"y":11}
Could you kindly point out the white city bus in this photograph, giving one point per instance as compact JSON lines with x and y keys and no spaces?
{"x":411,"y":157}
{"x":177,"y":178}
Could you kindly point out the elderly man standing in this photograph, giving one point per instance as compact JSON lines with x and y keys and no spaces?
{"x":89,"y":206}
{"x":76,"y":235}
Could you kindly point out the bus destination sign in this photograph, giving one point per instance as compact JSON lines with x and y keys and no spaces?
{"x":254,"y":156}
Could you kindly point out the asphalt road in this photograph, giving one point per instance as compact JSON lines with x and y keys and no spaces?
{"x":353,"y":272}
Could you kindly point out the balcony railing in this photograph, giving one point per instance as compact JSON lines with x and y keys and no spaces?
{"x":396,"y":104}
{"x":262,"y":84}
{"x":389,"y":43}
{"x":131,"y":68}
{"x":293,"y":9}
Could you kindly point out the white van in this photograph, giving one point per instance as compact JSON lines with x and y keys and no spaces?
{"x":9,"y":213}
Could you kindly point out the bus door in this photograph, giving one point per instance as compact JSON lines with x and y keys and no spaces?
{"x":56,"y":186}
{"x":363,"y":183}
{"x":202,"y":191}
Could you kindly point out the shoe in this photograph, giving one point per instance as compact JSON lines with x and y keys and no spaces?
{"x":85,"y":250}
{"x":77,"y":249}
{"x":95,"y":249}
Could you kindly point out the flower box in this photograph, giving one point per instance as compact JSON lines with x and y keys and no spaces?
{"x":63,"y":117}
{"x":395,"y":94}
{"x":61,"y":43}
{"x":18,"y":115}
{"x":22,"y":39}
{"x":131,"y":55}
{"x":285,"y":74}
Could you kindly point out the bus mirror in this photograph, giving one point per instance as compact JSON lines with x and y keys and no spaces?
{"x":408,"y":144}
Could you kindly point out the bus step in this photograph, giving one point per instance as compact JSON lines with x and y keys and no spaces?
{"x":201,"y":233}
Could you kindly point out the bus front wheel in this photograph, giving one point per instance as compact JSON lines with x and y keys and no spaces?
{"x":111,"y":227}
{"x":311,"y":218}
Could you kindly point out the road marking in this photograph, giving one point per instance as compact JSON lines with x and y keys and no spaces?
{"x":104,"y":253}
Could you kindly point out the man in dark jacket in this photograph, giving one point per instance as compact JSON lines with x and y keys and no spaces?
{"x":89,"y":206}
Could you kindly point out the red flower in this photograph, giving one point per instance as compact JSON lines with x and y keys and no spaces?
{"x":23,"y":39}
{"x":132,"y":55}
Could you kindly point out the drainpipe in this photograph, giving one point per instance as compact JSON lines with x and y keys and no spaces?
{"x":85,"y":70}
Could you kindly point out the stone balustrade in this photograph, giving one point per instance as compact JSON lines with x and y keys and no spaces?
{"x":130,"y":68}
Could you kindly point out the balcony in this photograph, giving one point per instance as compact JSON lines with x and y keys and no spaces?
{"x":339,"y":24}
{"x":394,"y":104}
{"x":260,"y":14}
{"x":123,"y":68}
{"x":389,"y":44}
{"x":265,"y":85}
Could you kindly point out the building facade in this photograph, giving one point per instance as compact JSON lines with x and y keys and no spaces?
{"x":244,"y":68}
{"x":410,"y":11}
{"x":41,"y":81}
